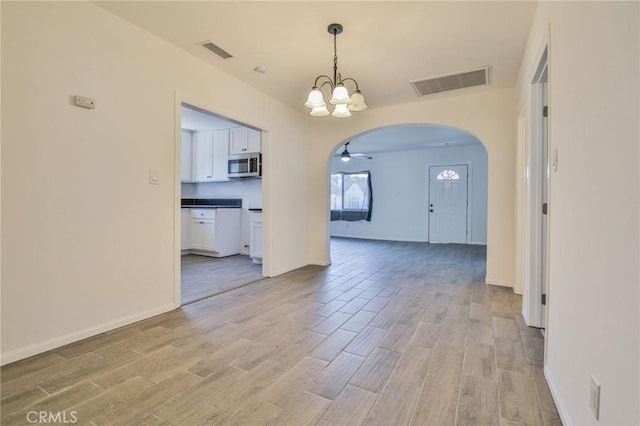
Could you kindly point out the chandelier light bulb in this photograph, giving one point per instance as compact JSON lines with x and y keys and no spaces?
{"x":315,"y":99}
{"x":341,"y":111}
{"x":340,"y":95}
{"x":357,"y":102}
{"x":319,"y":111}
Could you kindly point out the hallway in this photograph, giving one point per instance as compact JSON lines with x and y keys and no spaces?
{"x":390,"y":333}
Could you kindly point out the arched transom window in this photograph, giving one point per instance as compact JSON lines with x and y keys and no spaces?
{"x":448,"y":175}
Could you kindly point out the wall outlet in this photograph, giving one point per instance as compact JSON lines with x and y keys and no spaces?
{"x":594,"y":398}
{"x":84,"y":102}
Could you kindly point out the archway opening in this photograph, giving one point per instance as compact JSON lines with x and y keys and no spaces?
{"x":428,"y":184}
{"x":410,"y":170}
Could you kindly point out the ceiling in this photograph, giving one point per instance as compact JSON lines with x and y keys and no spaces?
{"x":405,"y":137}
{"x":408,"y":137}
{"x":385,"y":44}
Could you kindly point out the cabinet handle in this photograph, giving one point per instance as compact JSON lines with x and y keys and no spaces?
{"x":209,"y":177}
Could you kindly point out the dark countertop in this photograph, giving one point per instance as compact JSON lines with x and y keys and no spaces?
{"x":211,"y":203}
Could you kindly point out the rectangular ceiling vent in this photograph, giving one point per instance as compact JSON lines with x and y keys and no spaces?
{"x":216,"y":50}
{"x":446,"y":83}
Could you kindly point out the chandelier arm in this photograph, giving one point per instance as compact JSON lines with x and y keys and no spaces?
{"x":315,"y":84}
{"x":350,"y":79}
{"x":326,"y":82}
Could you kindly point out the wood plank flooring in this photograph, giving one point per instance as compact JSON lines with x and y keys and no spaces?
{"x":204,"y":276}
{"x":390,"y":334}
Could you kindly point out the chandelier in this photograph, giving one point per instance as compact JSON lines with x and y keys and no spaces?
{"x":344,"y":103}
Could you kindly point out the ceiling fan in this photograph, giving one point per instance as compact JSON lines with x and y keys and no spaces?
{"x":346,"y":155}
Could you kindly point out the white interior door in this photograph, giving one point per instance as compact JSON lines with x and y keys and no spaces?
{"x":448,"y":204}
{"x":544,"y":186}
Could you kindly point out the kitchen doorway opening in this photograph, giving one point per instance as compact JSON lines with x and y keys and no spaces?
{"x":220,"y":210}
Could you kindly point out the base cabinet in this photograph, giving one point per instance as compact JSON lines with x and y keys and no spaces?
{"x":255,"y":238}
{"x":215,"y":232}
{"x":185,"y":235}
{"x":203,"y":234}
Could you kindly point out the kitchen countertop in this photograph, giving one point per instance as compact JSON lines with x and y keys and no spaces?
{"x":211,"y":203}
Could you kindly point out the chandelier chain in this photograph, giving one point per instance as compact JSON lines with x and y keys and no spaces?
{"x":335,"y":58}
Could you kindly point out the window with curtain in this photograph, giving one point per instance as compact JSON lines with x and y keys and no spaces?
{"x":351,"y":196}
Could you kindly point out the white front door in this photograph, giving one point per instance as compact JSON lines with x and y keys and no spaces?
{"x":448,"y":204}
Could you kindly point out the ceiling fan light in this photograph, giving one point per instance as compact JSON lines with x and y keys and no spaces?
{"x":344,"y":157}
{"x":341,"y":111}
{"x":319,"y":111}
{"x":315,"y":99}
{"x":340,"y":95}
{"x":357,"y":102}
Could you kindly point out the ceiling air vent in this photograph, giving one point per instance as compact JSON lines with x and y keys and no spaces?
{"x":215,"y":49}
{"x":479,"y":77}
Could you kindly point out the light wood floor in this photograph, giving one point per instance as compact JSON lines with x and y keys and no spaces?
{"x":389,"y":334}
{"x":204,"y":276}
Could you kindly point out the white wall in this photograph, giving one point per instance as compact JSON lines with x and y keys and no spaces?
{"x":593,"y":311}
{"x":487,"y":115}
{"x":400,"y":184}
{"x":249,"y":190}
{"x":87,"y":243}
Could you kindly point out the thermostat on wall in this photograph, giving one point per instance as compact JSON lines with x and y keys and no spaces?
{"x":84,"y":102}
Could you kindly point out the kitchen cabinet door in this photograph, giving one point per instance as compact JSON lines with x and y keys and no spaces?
{"x":254,"y":140}
{"x":202,"y":157}
{"x":243,"y":140}
{"x":255,"y":238}
{"x":185,"y":237}
{"x":186,"y":156}
{"x":203,"y":234}
{"x":220,"y":168}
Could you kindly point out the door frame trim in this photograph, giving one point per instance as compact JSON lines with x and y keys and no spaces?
{"x":178,"y":101}
{"x":532,"y":308}
{"x":469,"y":165}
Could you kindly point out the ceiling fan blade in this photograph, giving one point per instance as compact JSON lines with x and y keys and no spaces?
{"x":361,"y":155}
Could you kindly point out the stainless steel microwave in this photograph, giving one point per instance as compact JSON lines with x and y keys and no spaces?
{"x":245,"y":165}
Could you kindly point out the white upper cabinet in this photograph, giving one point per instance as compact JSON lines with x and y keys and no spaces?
{"x":210,"y":156}
{"x":186,"y":156}
{"x":221,"y":155}
{"x":203,"y":156}
{"x":243,"y":140}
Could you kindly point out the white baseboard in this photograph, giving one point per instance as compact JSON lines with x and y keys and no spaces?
{"x":244,"y":251}
{"x":56,"y":342}
{"x":562,"y":410}
{"x":501,"y":283}
{"x":320,"y":262}
{"x":409,"y":240}
{"x":360,"y":237}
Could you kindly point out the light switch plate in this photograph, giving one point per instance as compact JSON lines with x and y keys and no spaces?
{"x":154,"y":179}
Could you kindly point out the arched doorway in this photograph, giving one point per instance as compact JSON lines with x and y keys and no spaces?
{"x":400,"y":162}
